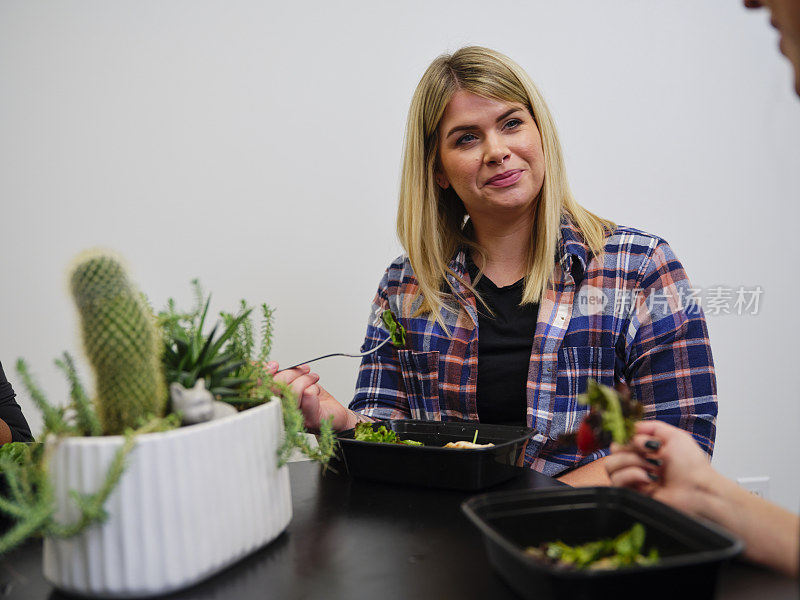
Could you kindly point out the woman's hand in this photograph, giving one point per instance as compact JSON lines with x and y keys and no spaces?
{"x":664,"y":462}
{"x":315,"y":403}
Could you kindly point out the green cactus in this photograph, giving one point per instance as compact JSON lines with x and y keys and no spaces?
{"x":121,"y":342}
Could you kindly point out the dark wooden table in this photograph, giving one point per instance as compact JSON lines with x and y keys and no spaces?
{"x":354,"y":539}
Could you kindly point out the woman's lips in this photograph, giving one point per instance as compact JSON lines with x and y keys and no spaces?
{"x":508,"y":178}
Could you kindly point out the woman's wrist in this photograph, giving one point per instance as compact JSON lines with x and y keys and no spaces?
{"x":713,"y":494}
{"x":769,"y":532}
{"x":725,"y":502}
{"x":354,"y":418}
{"x":694,"y":488}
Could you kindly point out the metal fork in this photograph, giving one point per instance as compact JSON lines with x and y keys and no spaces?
{"x":305,"y":362}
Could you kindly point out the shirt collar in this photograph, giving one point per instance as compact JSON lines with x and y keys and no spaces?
{"x":571,"y":252}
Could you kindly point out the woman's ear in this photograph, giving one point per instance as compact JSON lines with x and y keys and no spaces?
{"x":441,"y":180}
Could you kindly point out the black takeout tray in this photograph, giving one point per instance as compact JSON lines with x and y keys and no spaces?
{"x":691,"y":551}
{"x":432,"y":465}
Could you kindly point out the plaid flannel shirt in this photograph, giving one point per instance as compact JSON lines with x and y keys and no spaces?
{"x":621,"y":317}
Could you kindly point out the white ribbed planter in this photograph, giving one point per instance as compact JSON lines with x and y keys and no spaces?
{"x":191,"y":502}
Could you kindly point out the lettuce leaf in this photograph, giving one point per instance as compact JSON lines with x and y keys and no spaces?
{"x":365,"y":433}
{"x":396,"y":331}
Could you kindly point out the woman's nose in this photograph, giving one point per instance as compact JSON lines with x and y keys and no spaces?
{"x":496,"y":151}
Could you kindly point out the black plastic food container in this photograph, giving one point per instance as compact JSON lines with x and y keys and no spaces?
{"x":432,"y":465}
{"x":691,"y":552}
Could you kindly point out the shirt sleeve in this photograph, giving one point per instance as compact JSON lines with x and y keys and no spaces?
{"x":11,"y":413}
{"x":669,"y":366}
{"x":380,"y":392}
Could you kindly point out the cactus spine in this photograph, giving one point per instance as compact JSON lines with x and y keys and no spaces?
{"x":121,"y":342}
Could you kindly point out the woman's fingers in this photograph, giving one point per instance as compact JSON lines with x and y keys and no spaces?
{"x":299,"y":385}
{"x":298,"y":379}
{"x":312,"y":390}
{"x":289,"y":375}
{"x":309,"y":406}
{"x":271,"y":367}
{"x":627,"y":468}
{"x":303,"y":383}
{"x":633,"y":477}
{"x":658,"y":429}
{"x":623,"y":459}
{"x":644,"y":444}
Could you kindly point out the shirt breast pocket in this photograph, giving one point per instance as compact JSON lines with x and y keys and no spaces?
{"x":576,"y":365}
{"x":420,"y":371}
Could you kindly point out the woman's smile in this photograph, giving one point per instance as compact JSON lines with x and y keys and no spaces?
{"x":505,"y":179}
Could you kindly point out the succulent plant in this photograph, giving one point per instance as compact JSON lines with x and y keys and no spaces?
{"x":121,"y":342}
{"x":190,"y":354}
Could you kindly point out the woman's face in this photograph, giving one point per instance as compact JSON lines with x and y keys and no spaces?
{"x":490,"y":152}
{"x":785,"y":18}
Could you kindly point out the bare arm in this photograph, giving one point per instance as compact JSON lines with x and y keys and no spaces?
{"x":771,"y":534}
{"x":5,"y":433}
{"x":592,"y":474}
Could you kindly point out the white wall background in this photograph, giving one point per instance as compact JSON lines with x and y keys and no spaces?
{"x":257,"y":145}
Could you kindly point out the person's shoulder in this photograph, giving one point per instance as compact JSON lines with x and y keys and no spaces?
{"x":399,"y":272}
{"x":633,"y":240}
{"x":631,"y":249}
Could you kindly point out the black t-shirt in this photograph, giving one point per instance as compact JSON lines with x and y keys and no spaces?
{"x":11,"y":413}
{"x":504,"y":350}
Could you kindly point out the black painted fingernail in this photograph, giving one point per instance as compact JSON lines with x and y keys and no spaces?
{"x":652,"y":476}
{"x":652,"y":444}
{"x":654,"y":461}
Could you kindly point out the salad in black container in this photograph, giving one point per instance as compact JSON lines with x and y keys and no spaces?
{"x":528,"y":533}
{"x":408,"y":451}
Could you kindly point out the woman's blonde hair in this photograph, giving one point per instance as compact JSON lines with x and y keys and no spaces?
{"x":431,"y":221}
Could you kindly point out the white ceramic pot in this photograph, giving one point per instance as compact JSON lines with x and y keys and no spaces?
{"x":191,"y":502}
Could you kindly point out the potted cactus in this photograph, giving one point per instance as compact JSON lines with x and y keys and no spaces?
{"x":129,"y":503}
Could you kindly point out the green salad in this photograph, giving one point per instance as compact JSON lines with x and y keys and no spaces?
{"x":625,"y":550}
{"x":365,"y":433}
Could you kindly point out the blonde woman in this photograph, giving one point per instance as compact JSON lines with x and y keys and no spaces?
{"x":511,"y":293}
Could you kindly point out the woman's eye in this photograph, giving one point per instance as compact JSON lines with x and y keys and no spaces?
{"x":464,"y":138}
{"x":468,"y":137}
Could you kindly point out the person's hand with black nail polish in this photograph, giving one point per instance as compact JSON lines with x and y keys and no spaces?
{"x":666,"y":463}
{"x":661,"y":461}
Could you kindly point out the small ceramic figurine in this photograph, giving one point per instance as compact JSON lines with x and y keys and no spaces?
{"x":197,"y":404}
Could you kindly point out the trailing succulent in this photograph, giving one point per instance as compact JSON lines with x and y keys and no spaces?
{"x":131,"y":351}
